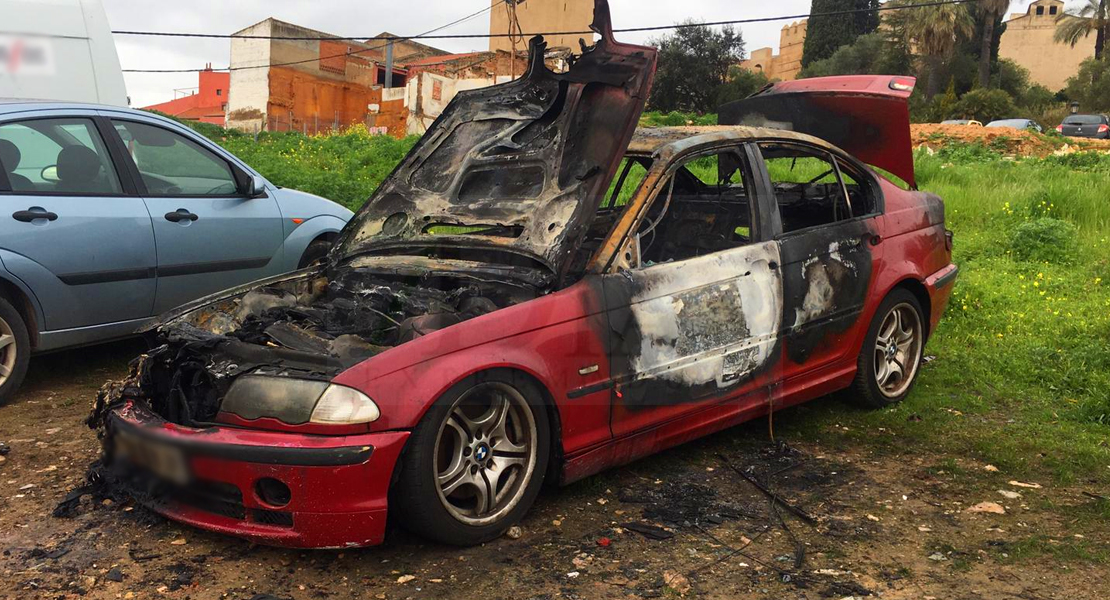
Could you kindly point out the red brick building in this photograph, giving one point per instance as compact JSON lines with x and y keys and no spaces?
{"x":208,"y":104}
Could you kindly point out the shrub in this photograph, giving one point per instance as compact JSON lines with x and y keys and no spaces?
{"x":1046,"y":239}
{"x":986,"y":105}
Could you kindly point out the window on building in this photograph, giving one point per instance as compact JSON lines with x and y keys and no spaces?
{"x":219,"y":92}
{"x":1040,"y":10}
{"x":1052,"y":10}
{"x":813,"y":188}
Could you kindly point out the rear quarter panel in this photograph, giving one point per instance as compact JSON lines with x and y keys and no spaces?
{"x":914,"y":235}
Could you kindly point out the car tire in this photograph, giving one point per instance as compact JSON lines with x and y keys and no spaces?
{"x":316,"y":252}
{"x":886,"y":373}
{"x":15,"y":350}
{"x":461,"y":449}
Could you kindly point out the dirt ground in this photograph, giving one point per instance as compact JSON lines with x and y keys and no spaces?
{"x":1004,"y":139}
{"x":894,"y":525}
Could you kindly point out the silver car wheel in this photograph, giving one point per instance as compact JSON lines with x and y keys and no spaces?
{"x":8,"y":351}
{"x":485,"y":453}
{"x":898,"y":350}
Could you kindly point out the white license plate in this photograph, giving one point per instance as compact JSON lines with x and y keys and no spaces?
{"x":163,"y":460}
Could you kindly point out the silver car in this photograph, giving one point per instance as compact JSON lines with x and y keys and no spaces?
{"x":111,"y":215}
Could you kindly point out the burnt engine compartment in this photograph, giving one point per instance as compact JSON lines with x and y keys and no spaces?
{"x":310,"y":327}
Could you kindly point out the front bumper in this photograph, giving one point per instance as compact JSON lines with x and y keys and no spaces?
{"x":338,"y":485}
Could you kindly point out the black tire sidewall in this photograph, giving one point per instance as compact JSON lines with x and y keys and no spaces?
{"x":873,"y":396}
{"x":316,"y":250}
{"x":23,"y":350}
{"x":414,"y":499}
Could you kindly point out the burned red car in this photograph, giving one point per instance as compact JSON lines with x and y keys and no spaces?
{"x":537,"y":294}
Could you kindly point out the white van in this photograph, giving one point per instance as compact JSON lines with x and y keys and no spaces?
{"x":59,"y":50}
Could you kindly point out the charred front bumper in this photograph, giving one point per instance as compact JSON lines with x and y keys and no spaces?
{"x":283,"y":489}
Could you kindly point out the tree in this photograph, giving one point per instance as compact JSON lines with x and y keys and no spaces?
{"x":1077,"y":25}
{"x":935,"y":31}
{"x":1090,"y":87}
{"x":867,"y":20}
{"x":741,"y":84}
{"x":693,"y":63}
{"x":990,"y":15}
{"x":824,"y":34}
{"x":870,"y":54}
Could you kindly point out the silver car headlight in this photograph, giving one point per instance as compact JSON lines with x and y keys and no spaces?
{"x":298,"y":401}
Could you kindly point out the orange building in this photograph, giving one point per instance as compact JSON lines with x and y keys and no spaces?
{"x":208,"y":104}
{"x":312,"y":85}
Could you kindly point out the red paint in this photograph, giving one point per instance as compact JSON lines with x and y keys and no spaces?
{"x":331,"y":506}
{"x":206,"y":105}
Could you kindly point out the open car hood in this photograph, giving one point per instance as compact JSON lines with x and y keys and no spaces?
{"x":519,"y":166}
{"x":867,"y":116}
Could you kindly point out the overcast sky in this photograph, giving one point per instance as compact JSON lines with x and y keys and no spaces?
{"x":366,"y":18}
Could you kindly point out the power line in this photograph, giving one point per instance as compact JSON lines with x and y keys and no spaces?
{"x":463,"y":36}
{"x":428,"y":34}
{"x":390,"y":40}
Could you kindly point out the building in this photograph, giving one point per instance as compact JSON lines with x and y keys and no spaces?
{"x":311,"y":85}
{"x":1028,"y":41}
{"x":208,"y":104}
{"x":433,"y":81}
{"x":403,"y":50}
{"x":541,"y":15}
{"x":788,"y":62}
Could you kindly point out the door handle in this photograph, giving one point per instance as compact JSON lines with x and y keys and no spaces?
{"x":181,"y":214}
{"x":33,"y":213}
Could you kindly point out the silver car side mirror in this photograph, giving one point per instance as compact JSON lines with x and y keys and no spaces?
{"x":256,"y":188}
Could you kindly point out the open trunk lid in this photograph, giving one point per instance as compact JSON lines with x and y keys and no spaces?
{"x":867,"y":116}
{"x":518,"y":167}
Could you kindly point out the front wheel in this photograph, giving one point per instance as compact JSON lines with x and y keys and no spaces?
{"x":891,"y":356}
{"x":316,"y":252}
{"x":475,"y":463}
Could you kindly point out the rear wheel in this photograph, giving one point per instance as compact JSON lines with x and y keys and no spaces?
{"x":15,"y":350}
{"x":891,"y":356}
{"x":475,"y":463}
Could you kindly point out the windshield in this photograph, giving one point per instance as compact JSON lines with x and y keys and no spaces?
{"x":1015,"y":123}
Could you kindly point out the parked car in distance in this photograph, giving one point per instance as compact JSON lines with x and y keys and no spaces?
{"x":110,"y":215}
{"x":1019,"y":124}
{"x":962,"y":122}
{"x":1085,"y":126}
{"x":498,"y":315}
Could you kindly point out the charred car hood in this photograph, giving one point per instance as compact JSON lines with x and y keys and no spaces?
{"x":865,"y":115}
{"x":519,"y":167}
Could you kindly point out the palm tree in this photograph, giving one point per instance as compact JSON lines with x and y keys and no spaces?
{"x":935,"y":31}
{"x":991,"y":11}
{"x":1077,"y":25}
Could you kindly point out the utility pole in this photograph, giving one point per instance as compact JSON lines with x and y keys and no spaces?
{"x":389,"y":64}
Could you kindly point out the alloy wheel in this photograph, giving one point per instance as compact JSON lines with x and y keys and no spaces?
{"x":898,"y":350}
{"x":8,"y":351}
{"x":485,"y":453}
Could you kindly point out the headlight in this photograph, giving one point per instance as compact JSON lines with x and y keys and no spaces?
{"x":298,"y":401}
{"x":341,"y":405}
